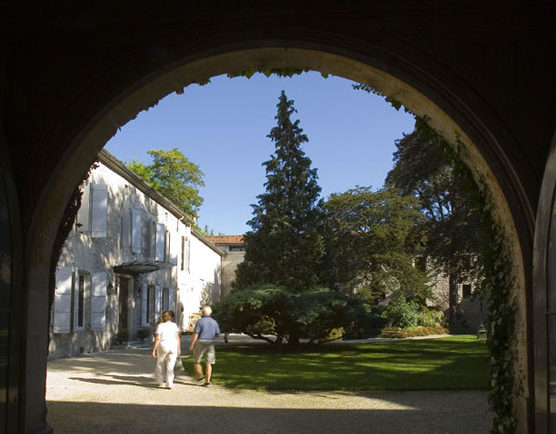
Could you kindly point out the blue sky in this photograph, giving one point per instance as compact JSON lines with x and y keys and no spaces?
{"x":222,"y":127}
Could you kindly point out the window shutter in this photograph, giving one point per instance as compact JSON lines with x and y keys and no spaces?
{"x":152,"y":240}
{"x":125,"y":241}
{"x":98,"y":300}
{"x":160,"y":242}
{"x":172,"y":300}
{"x":174,"y":248}
{"x":158,"y":301}
{"x":136,"y":230}
{"x":188,"y":255}
{"x":99,"y":210}
{"x":83,"y":212}
{"x":62,"y":300}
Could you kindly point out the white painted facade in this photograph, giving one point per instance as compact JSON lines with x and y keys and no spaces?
{"x":131,"y":255}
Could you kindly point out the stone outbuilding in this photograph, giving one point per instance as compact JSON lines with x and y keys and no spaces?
{"x":233,"y":248}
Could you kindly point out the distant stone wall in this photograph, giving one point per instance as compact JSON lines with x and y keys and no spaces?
{"x":471,"y":311}
{"x":229,"y":266}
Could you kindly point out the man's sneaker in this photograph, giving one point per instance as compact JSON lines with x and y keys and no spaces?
{"x":207,"y":384}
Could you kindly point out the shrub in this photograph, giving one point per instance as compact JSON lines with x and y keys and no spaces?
{"x":405,"y":314}
{"x":144,"y":333}
{"x":122,"y":336}
{"x":367,"y":321}
{"x":431,"y":318}
{"x":402,"y":313}
{"x":263,"y":310}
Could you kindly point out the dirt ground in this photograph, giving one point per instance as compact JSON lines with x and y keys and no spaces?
{"x":115,"y":392}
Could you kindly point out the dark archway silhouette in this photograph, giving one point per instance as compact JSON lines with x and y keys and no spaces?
{"x":74,"y":75}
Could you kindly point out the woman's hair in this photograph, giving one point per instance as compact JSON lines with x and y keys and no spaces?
{"x":166,"y":316}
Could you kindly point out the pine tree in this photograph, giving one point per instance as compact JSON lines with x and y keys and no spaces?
{"x":284,"y":246}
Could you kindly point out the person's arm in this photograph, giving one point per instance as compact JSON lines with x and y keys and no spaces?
{"x":156,"y":342}
{"x":193,"y":340}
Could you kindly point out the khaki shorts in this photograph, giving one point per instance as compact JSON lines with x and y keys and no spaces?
{"x":204,"y":347}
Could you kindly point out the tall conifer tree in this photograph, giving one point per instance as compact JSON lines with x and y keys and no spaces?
{"x":284,"y":246}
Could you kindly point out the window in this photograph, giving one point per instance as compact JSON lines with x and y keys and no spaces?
{"x":144,"y":304}
{"x":182,"y":267}
{"x":237,"y":248}
{"x":421,"y":263}
{"x":70,"y":300}
{"x":151,"y":304}
{"x":125,"y":226}
{"x":165,"y":299}
{"x":157,"y":302}
{"x":466,"y":289}
{"x":187,"y":254}
{"x":79,"y":301}
{"x":152,"y":250}
{"x":167,"y":247}
{"x":145,"y":237}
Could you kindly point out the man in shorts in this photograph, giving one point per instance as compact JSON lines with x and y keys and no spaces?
{"x":202,"y":344}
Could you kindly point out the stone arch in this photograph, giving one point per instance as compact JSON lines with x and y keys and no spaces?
{"x":452,"y":107}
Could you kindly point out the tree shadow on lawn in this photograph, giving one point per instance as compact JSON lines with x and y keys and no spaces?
{"x":88,"y":417}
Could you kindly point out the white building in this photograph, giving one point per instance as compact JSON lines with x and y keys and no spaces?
{"x":131,"y":254}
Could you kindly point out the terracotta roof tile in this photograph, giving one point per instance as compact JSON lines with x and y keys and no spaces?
{"x":226,"y":239}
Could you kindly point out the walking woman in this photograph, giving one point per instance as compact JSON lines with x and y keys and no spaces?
{"x":166,"y":349}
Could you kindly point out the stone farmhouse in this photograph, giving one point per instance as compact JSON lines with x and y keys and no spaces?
{"x":130,"y":255}
{"x":234,"y":252}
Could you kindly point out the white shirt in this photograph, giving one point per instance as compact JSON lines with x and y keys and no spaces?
{"x":167,"y":332}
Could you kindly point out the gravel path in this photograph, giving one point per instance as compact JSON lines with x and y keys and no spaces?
{"x":115,"y":392}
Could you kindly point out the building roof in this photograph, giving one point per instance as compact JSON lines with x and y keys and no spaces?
{"x":226,"y":239}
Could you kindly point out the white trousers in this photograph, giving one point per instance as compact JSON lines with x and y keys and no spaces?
{"x":165,"y":362}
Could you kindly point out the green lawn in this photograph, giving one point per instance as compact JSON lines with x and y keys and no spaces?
{"x":459,"y":362}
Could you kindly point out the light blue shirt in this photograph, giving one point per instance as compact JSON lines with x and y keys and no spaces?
{"x":207,"y":328}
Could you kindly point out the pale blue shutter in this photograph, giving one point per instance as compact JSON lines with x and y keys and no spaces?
{"x":62,"y":300}
{"x":172,"y":299}
{"x":157,"y":301}
{"x":160,"y":242}
{"x":136,"y":230}
{"x":99,"y":211}
{"x":84,"y":209}
{"x":98,"y":300}
{"x":174,"y":248}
